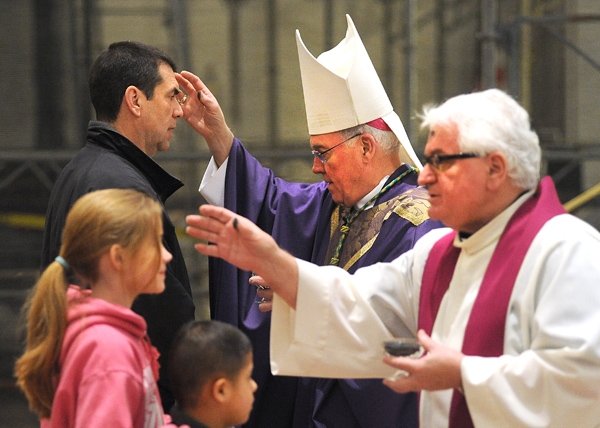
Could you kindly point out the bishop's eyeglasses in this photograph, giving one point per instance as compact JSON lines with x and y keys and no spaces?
{"x":320,"y":155}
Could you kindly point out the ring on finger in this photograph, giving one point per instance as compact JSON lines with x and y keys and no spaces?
{"x":182,"y":100}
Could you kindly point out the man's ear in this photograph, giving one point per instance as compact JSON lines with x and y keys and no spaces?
{"x":133,"y":99}
{"x":368,"y":145}
{"x":498,"y":169}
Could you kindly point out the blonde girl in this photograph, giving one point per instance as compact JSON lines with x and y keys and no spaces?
{"x":88,"y":362}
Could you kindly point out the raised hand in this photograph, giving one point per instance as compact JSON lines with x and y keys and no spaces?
{"x":203,"y":113}
{"x":240,"y":242}
{"x":229,"y":236}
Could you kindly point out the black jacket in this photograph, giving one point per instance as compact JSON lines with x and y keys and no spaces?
{"x":109,"y":160}
{"x":181,"y":418}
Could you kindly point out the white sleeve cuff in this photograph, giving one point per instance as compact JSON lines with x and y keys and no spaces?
{"x":212,"y":186}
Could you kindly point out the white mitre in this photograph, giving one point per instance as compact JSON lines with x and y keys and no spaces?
{"x":342,"y":90}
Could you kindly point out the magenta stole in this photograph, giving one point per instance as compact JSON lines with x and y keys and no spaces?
{"x":484,"y":335}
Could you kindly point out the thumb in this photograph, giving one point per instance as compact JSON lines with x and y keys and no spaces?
{"x":425,"y":340}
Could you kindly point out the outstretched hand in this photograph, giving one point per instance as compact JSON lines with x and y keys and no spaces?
{"x":240,"y":242}
{"x":438,"y":369}
{"x":230,"y":237}
{"x":203,"y":113}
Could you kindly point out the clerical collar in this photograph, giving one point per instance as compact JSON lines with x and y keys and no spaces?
{"x":464,"y":235}
{"x":369,"y":195}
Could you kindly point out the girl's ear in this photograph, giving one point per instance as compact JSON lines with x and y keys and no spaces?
{"x":115,"y":255}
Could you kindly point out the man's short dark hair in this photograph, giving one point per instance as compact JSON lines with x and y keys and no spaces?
{"x":203,"y":350}
{"x":121,"y":65}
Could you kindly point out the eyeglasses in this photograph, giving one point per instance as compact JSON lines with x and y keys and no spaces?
{"x":319,"y":155}
{"x":436,"y":161}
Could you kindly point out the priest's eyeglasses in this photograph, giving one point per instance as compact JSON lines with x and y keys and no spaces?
{"x":437,"y":161}
{"x":320,"y":155}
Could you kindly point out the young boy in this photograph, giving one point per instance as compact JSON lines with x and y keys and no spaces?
{"x":210,"y":368}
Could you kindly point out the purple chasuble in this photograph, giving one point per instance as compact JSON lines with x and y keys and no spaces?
{"x":298,"y":217}
{"x":484,"y":335}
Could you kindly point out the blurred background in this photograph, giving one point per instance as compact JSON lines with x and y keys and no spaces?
{"x":545,"y":53}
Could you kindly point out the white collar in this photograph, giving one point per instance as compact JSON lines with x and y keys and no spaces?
{"x":369,"y":195}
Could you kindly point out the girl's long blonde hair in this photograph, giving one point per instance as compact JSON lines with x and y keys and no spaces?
{"x":96,"y":221}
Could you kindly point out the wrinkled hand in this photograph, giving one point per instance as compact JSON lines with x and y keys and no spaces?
{"x":203,"y":113}
{"x":231,"y":237}
{"x":264,"y":293}
{"x":438,"y":369}
{"x":240,"y":242}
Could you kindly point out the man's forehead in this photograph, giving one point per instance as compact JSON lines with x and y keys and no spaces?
{"x":442,"y":137}
{"x":168,"y":77}
{"x":324,"y":139}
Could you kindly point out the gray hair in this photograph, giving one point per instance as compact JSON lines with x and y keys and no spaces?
{"x":491,"y":121}
{"x":387,"y":139}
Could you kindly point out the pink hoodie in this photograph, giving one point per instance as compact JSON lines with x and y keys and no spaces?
{"x":108,"y":369}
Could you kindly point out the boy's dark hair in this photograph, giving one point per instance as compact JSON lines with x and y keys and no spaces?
{"x":121,"y":65}
{"x":202,"y":350}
